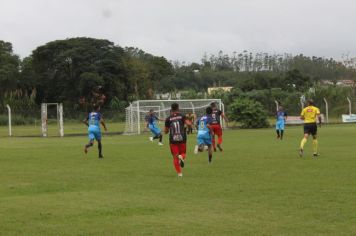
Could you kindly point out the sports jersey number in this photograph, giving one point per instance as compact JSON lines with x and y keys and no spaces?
{"x":177,"y":135}
{"x":202,"y":125}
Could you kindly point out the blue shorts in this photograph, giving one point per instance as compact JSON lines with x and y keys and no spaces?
{"x":155,"y":130}
{"x":204,"y":140}
{"x":94,"y":133}
{"x":280,"y":125}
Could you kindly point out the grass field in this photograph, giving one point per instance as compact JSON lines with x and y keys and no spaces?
{"x":257,"y":186}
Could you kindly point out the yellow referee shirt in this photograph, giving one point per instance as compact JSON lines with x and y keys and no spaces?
{"x":310,"y":114}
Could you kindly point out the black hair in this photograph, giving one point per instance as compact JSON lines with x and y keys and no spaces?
{"x":175,"y":107}
{"x":310,"y":102}
{"x":96,"y":107}
{"x":213,"y":104}
{"x":209,"y":110}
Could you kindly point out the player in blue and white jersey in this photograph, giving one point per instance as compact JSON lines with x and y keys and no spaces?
{"x":204,"y":133}
{"x":281,"y":117}
{"x":93,"y":122}
{"x":151,"y":123}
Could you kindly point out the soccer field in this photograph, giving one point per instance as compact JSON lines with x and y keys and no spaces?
{"x":257,"y":186}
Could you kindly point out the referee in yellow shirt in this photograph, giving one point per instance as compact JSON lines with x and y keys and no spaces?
{"x":310,"y":115}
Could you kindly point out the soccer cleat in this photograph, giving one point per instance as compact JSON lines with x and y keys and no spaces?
{"x":196,"y":149}
{"x":85,"y":150}
{"x":210,"y":157}
{"x":301,"y":151}
{"x":151,"y":139}
{"x":180,"y":175}
{"x":160,"y":144}
{"x":220,"y":148}
{"x":181,"y":161}
{"x":316,"y":154}
{"x":101,"y":156}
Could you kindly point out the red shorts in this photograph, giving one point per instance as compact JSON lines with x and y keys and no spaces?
{"x":178,"y":148}
{"x":216,"y":129}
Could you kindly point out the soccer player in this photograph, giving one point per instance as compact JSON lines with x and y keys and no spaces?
{"x":93,"y":122}
{"x":190,"y":117}
{"x":174,"y":125}
{"x":204,"y":133}
{"x":151,"y":119}
{"x":310,"y":115}
{"x":216,"y":126}
{"x":281,"y":116}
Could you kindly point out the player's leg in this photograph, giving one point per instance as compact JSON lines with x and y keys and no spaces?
{"x":304,"y":140}
{"x":277,"y":130}
{"x":158,"y":135}
{"x":220,"y":137}
{"x":100,"y":149}
{"x":282,"y":129}
{"x":190,"y":129}
{"x":214,"y":129}
{"x":160,"y":139}
{"x":91,"y":137}
{"x":100,"y":146}
{"x":153,"y":131}
{"x":210,"y":153}
{"x":182,"y":152}
{"x":315,"y":142}
{"x":208,"y":142}
{"x":175,"y":153}
{"x":213,"y":142}
{"x":200,"y":145}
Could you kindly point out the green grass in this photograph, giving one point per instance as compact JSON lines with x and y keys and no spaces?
{"x":257,"y":186}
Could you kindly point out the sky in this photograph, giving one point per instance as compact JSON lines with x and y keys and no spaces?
{"x":186,"y":29}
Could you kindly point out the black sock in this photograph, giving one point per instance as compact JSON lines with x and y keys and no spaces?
{"x":210,"y":157}
{"x":160,"y":138}
{"x":282,"y":131}
{"x":277,"y":131}
{"x":99,"y":148}
{"x":155,"y":137}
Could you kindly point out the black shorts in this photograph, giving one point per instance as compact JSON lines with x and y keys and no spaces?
{"x":310,"y":128}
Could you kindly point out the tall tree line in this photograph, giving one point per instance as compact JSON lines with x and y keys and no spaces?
{"x":68,"y":70}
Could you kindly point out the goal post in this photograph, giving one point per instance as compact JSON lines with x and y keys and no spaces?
{"x":44,"y":118}
{"x":137,"y":110}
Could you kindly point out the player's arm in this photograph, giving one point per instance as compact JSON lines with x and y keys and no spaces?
{"x":166,"y":126}
{"x":197,"y":124}
{"x":225,"y":118}
{"x":103,"y":124}
{"x":302,"y":115}
{"x":85,"y":121}
{"x":319,"y":117}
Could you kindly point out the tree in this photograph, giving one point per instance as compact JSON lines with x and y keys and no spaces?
{"x":61,"y":65}
{"x":9,"y":68}
{"x":249,"y":112}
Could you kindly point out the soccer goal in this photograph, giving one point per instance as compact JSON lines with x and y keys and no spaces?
{"x":136,"y":112}
{"x":45,"y":120}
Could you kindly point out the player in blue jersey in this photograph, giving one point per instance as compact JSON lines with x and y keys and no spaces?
{"x":281,"y":117}
{"x":204,"y":133}
{"x":93,"y":122}
{"x":151,"y":123}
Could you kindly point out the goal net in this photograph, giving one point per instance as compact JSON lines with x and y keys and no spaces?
{"x":136,"y":112}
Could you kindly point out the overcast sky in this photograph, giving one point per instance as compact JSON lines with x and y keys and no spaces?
{"x":186,"y":29}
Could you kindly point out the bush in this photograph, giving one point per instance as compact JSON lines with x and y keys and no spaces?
{"x":249,"y":113}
